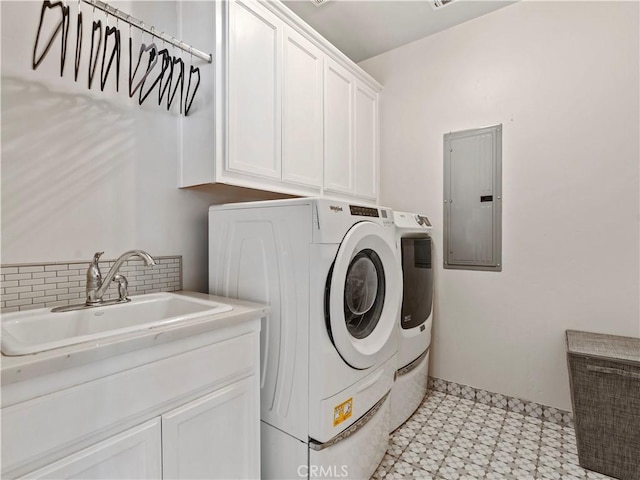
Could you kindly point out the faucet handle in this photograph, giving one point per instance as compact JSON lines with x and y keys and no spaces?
{"x":94,"y":276}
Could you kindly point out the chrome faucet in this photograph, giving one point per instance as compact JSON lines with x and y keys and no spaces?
{"x":97,"y":285}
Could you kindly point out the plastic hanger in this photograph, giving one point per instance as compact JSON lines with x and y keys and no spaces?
{"x":65,"y":36}
{"x":187,"y":102}
{"x":93,"y":59}
{"x":143,"y":96}
{"x":169,"y":66}
{"x":78,"y":42}
{"x":153,"y":59}
{"x":165,"y":65}
{"x":62,"y":26}
{"x":114,"y":53}
{"x":179,"y":83}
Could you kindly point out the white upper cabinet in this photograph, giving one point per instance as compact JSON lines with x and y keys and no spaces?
{"x":338,"y":133}
{"x":292,"y":114}
{"x":350,"y":135}
{"x":302,"y":111}
{"x":254,"y":127}
{"x":366,"y":141}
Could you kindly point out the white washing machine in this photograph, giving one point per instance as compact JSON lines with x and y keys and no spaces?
{"x":329,"y":271}
{"x":415,"y":318}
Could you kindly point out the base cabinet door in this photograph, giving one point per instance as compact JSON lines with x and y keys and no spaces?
{"x":216,"y":436}
{"x":134,"y":453}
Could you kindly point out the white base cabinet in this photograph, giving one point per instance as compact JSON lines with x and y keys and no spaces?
{"x":215,"y":436}
{"x":292,"y":113}
{"x":186,"y":409}
{"x":134,"y":453}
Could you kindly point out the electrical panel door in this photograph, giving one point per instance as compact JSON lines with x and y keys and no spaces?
{"x":473,"y":199}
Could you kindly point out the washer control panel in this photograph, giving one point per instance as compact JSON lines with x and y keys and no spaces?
{"x":364,"y":211}
{"x":384,"y":214}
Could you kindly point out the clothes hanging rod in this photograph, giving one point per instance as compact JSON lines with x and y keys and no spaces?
{"x":105,"y":7}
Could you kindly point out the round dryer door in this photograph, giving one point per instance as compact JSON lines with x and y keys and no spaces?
{"x":363,"y":295}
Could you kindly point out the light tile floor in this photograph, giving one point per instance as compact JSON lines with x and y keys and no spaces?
{"x":451,"y":438}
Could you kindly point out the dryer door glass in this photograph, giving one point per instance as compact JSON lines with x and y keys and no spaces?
{"x":417,"y":272}
{"x":363,"y":293}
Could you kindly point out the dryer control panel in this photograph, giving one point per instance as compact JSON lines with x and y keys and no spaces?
{"x":422,"y":220}
{"x":412,"y":221}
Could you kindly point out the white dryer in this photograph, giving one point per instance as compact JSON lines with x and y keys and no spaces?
{"x":329,"y":271}
{"x":415,"y":318}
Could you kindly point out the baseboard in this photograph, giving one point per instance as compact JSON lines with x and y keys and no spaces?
{"x":498,"y":400}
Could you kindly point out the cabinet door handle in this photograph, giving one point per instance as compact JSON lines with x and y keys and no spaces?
{"x":613,"y":371}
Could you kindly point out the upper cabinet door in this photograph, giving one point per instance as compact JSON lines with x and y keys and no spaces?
{"x":302,"y":111}
{"x":366,"y":142}
{"x":338,"y":128}
{"x":254,"y":129}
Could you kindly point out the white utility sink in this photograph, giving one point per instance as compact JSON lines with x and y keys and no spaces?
{"x":35,"y":331}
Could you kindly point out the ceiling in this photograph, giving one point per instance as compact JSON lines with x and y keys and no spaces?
{"x":365,"y":28}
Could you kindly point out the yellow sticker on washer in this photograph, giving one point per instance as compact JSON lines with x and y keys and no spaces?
{"x":342,"y":412}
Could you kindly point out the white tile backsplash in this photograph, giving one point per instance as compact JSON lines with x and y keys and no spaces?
{"x":29,"y":286}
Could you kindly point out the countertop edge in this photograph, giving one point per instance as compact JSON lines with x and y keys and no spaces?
{"x":15,"y":369}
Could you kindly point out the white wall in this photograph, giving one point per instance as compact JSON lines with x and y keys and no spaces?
{"x":84,"y":170}
{"x":563,"y":79}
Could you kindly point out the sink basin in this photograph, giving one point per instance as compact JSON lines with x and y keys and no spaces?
{"x":35,"y":331}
